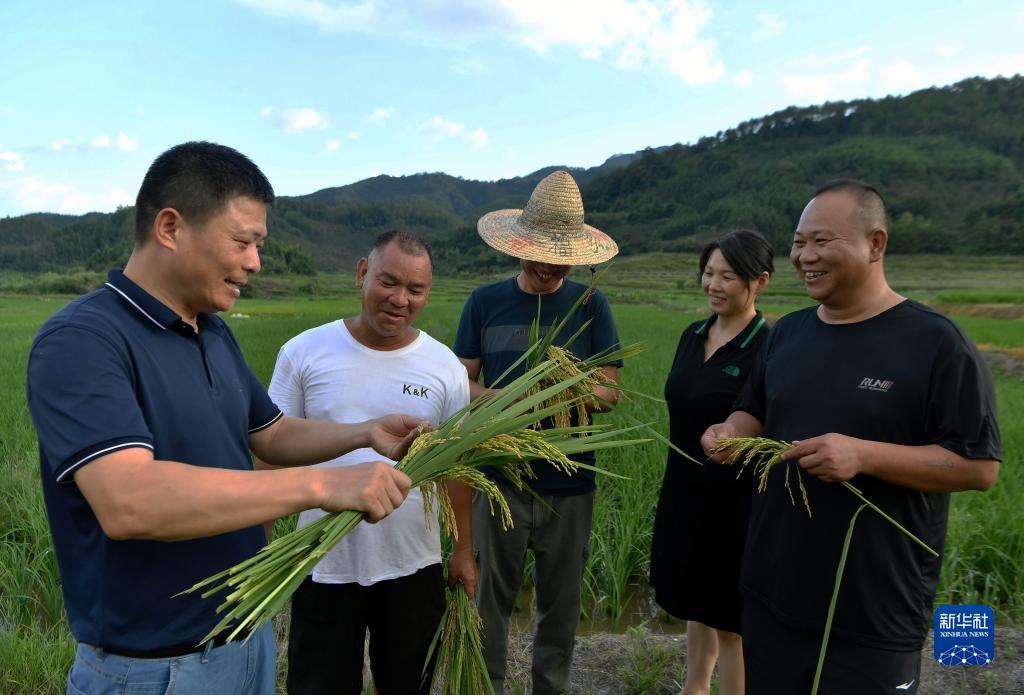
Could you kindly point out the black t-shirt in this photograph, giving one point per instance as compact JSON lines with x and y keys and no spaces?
{"x":700,"y":393}
{"x":907,"y":376}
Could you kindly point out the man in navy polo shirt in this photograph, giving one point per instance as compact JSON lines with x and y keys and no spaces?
{"x":147,"y":412}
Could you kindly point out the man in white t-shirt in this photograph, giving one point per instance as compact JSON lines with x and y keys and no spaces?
{"x":385,"y":577}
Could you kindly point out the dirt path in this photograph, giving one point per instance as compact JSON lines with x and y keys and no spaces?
{"x":1004,"y":362}
{"x":642,"y":662}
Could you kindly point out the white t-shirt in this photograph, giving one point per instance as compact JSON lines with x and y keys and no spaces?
{"x":325,"y":374}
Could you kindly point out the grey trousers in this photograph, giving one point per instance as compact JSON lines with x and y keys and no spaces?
{"x":558,"y":532}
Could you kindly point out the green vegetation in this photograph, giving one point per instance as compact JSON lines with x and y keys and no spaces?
{"x":653,"y":298}
{"x":950,"y":161}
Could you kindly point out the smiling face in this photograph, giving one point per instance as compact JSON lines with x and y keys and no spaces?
{"x":541,"y":278}
{"x":395,"y":286}
{"x":728,"y":294}
{"x":215,"y":259}
{"x":834,"y":251}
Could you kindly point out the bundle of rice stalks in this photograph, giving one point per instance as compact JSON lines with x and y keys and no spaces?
{"x":763,"y":454}
{"x":458,"y":641}
{"x":574,"y":399}
{"x":581,"y":393}
{"x":492,"y":431}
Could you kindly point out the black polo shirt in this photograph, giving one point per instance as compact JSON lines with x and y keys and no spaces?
{"x":116,"y":369}
{"x":701,"y":393}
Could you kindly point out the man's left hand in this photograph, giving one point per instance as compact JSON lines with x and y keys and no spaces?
{"x":462,"y":568}
{"x":391,"y":435}
{"x":830,"y":457}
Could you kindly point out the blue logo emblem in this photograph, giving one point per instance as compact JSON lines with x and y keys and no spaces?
{"x":964,"y":635}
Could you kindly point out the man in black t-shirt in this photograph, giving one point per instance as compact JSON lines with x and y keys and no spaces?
{"x":874,"y":388}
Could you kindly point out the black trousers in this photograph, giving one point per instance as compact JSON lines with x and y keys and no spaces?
{"x":780,"y":660}
{"x":328,"y":634}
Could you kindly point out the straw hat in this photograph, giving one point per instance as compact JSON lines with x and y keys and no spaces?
{"x":550,"y":229}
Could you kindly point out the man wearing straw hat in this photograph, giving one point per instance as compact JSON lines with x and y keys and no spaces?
{"x":553,"y":518}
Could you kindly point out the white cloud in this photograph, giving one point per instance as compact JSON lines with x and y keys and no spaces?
{"x":340,"y":16}
{"x":839,"y":57}
{"x":743,"y":78}
{"x":948,"y":50}
{"x":353,"y":135}
{"x":11,"y":161}
{"x":479,"y":138}
{"x":58,"y":196}
{"x":829,"y":77}
{"x":100,"y":142}
{"x":856,"y":73}
{"x":630,"y":34}
{"x":298,"y":120}
{"x":295,"y":120}
{"x":441,"y":127}
{"x":380,"y":116}
{"x":1006,"y":65}
{"x":902,"y":75}
{"x":468,"y":66}
{"x":769,"y":26}
{"x":126,"y":143}
{"x":332,"y":146}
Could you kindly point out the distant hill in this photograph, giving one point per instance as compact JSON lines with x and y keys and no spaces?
{"x":950,"y":161}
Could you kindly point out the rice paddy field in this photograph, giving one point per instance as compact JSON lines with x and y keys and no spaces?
{"x":653,"y":299}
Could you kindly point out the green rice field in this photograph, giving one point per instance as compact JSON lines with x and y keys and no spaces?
{"x":653,"y":298}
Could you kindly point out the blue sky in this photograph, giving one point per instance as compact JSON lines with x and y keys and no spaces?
{"x":322,"y":93}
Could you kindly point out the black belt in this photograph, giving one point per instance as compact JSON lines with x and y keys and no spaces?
{"x":177,"y":650}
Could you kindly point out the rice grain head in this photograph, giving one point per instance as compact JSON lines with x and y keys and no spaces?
{"x":761,"y":455}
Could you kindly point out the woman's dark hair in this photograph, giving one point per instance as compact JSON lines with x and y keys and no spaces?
{"x":747,"y":252}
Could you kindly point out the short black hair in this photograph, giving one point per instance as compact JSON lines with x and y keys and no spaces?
{"x":747,"y":252}
{"x":871,"y":206}
{"x":410,"y":242}
{"x":197,"y":179}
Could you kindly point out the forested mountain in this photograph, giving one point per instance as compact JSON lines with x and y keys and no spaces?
{"x":950,"y":161}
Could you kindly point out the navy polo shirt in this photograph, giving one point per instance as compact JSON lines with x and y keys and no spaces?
{"x":116,"y":369}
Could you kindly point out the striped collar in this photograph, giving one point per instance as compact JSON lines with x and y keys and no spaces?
{"x":142,"y":301}
{"x":745,"y":337}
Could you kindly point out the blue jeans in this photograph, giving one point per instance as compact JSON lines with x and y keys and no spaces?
{"x":238,"y":668}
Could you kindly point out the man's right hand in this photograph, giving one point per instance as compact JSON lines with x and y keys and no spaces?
{"x":709,"y":440}
{"x":375,"y":488}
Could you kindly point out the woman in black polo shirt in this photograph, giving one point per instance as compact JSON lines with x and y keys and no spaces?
{"x":701,"y":521}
